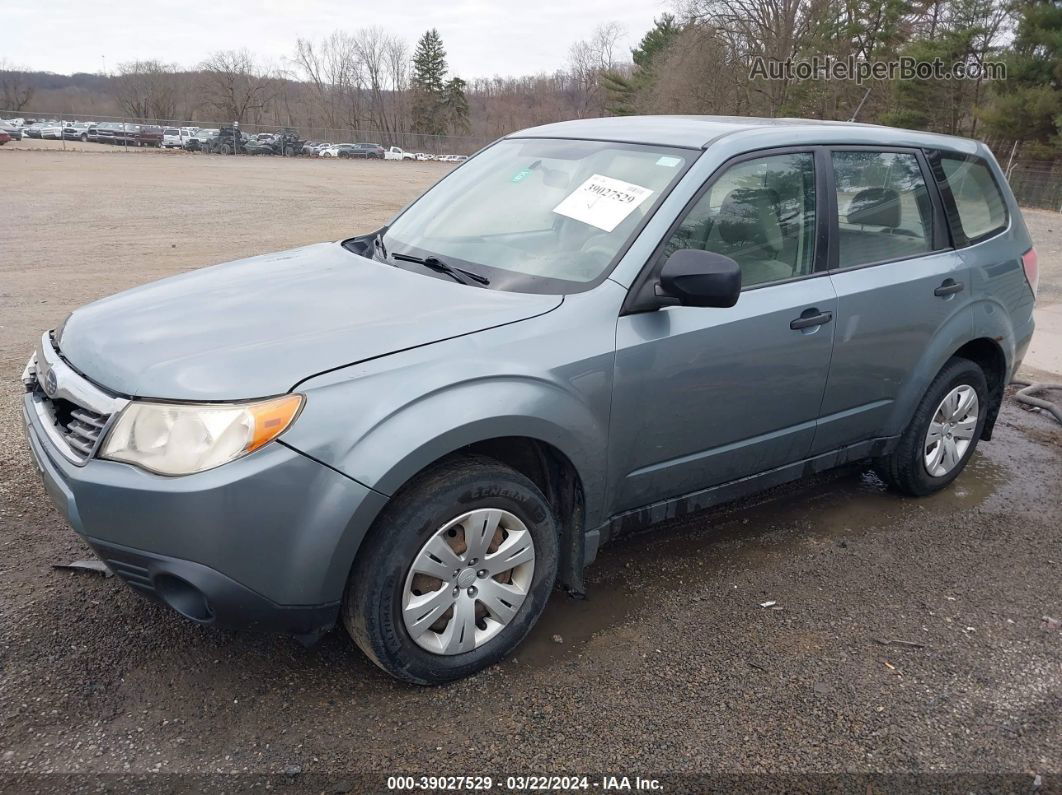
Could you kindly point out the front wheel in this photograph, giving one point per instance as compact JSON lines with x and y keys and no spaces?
{"x":943,"y":432}
{"x":456,"y":571}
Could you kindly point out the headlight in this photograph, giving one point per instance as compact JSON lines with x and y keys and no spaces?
{"x":179,"y":439}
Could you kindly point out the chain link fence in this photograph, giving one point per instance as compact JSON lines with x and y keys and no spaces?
{"x":132,"y":134}
{"x":1037,"y":183}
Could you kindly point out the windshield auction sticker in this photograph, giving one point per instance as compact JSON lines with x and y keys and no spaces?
{"x":602,"y":202}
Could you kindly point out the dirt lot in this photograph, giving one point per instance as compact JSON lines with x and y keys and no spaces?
{"x":671,"y":665}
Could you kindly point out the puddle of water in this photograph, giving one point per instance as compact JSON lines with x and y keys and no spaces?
{"x":843,"y":503}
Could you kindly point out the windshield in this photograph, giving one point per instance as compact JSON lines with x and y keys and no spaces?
{"x":539,"y":215}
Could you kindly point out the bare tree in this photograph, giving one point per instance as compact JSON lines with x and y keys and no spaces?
{"x":371,"y":47}
{"x":333,"y":68}
{"x":774,"y":30}
{"x":235,"y":85}
{"x":147,"y":90}
{"x":396,"y":58}
{"x":16,"y":87}
{"x":588,"y":60}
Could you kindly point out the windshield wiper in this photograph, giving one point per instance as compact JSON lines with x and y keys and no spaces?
{"x":457,"y":274}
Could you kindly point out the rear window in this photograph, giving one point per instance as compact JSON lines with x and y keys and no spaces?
{"x":173,"y":132}
{"x":979,"y":203}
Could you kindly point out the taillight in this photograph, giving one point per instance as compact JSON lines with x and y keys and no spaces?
{"x":1031,"y":263}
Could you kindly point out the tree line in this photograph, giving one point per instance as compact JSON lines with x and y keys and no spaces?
{"x":700,"y":59}
{"x":704,"y":61}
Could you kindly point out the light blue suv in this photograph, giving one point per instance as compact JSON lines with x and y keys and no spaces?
{"x":587,"y":328}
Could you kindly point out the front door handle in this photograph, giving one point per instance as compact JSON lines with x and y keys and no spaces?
{"x":949,"y":287}
{"x":809,"y":318}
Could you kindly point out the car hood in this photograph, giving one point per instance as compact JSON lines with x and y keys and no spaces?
{"x":258,"y":326}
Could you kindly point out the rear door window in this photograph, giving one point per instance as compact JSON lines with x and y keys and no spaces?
{"x":884,"y":211}
{"x":979,"y":202}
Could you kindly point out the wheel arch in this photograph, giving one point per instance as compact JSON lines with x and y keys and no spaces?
{"x":541,"y":457}
{"x":985,"y":352}
{"x":989,"y":356}
{"x":981,"y":332}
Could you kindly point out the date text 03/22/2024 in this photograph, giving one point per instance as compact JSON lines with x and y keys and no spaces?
{"x":524,"y":783}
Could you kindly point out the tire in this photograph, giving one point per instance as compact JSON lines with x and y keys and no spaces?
{"x":84,"y":138}
{"x":906,"y":468}
{"x":382,"y":577}
{"x":226,"y":149}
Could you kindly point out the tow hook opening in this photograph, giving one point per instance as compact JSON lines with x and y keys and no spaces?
{"x":183,"y":597}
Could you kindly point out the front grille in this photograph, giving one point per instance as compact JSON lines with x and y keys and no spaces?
{"x":82,"y":427}
{"x":74,"y":426}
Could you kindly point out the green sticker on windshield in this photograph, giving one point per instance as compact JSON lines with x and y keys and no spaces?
{"x":519,"y":176}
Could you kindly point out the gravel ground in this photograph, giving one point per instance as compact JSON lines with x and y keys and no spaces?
{"x":671,"y":665}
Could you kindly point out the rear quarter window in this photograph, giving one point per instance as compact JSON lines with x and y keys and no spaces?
{"x":980,"y":210}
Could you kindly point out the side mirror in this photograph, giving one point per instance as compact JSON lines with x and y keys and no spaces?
{"x":700,"y":278}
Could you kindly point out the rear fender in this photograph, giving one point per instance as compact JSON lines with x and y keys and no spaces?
{"x":981,"y":319}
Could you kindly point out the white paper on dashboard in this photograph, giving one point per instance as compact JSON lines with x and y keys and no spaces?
{"x":602,"y":202}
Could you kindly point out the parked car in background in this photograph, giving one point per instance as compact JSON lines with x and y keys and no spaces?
{"x":78,"y":131}
{"x":172,"y":138}
{"x":52,"y":130}
{"x":32,"y":130}
{"x":5,"y":137}
{"x":370,"y":151}
{"x":105,"y":132}
{"x":201,"y":140}
{"x":148,"y":135}
{"x":424,"y":156}
{"x":228,"y":140}
{"x":261,"y":145}
{"x":336,"y":150}
{"x":12,"y":131}
{"x":398,"y":153}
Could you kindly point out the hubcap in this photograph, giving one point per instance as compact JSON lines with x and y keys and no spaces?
{"x":468,"y":581}
{"x":951,"y":431}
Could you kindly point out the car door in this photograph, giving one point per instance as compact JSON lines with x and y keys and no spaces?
{"x":703,"y":396}
{"x":897,"y":279}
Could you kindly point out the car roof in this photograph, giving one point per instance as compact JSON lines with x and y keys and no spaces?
{"x":699,"y":132}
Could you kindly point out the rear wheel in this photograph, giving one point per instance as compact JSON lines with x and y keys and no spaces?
{"x":943,"y":432}
{"x":455,"y":573}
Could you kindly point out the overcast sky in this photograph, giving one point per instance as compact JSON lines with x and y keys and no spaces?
{"x":482,"y":38}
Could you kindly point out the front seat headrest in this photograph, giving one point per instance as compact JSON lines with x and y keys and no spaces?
{"x":875,"y":207}
{"x":749,"y":216}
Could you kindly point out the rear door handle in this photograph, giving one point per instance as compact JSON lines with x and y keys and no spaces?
{"x":949,"y":287}
{"x":807,"y":320}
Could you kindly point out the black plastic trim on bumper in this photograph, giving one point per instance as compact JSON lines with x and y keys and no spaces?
{"x":206,"y":596}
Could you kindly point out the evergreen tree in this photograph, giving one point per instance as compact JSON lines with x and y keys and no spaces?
{"x":429,"y":74}
{"x":622,"y":90}
{"x":455,"y":103}
{"x":1028,"y":104}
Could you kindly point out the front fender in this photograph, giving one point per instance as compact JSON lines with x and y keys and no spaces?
{"x":548,"y":378}
{"x":424,"y":430}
